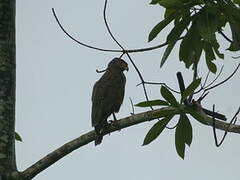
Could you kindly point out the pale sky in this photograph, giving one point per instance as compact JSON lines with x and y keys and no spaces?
{"x":55,"y":77}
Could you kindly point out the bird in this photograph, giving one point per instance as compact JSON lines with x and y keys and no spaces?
{"x":107,"y":96}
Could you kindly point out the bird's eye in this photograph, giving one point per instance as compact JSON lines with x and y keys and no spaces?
{"x":124,"y":65}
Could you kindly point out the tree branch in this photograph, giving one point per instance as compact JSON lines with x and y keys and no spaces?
{"x":88,"y":137}
{"x":124,"y":51}
{"x":225,"y":80}
{"x":107,"y":50}
{"x":7,"y":87}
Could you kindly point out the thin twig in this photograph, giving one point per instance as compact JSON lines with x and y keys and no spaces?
{"x":214,"y":129}
{"x":235,"y":57}
{"x":108,"y":28}
{"x":229,"y":77}
{"x":123,"y":50}
{"x":228,"y":39}
{"x":132,"y":106}
{"x":121,"y":55}
{"x":235,"y":121}
{"x":220,"y":72}
{"x":83,"y":44}
{"x":140,"y":76}
{"x":204,"y":94}
{"x":108,"y":50}
{"x":163,"y":84}
{"x":205,"y":81}
{"x":206,"y":86}
{"x":149,"y":48}
{"x":226,"y":130}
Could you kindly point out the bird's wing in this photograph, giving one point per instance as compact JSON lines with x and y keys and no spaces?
{"x":99,"y":95}
{"x":107,"y":96}
{"x":120,"y":93}
{"x":97,"y":101}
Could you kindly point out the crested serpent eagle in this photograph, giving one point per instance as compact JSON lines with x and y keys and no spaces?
{"x":107,"y":96}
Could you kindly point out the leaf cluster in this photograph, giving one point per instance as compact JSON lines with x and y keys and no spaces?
{"x":183,"y":131}
{"x":198,"y":21}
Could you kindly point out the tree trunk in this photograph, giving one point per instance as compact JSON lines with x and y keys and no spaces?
{"x":7,"y":89}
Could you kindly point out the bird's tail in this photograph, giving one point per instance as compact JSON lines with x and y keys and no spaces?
{"x":98,"y":140}
{"x":99,"y":137}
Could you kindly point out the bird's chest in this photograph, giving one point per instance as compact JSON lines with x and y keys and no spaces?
{"x":117,"y":82}
{"x":111,"y":86}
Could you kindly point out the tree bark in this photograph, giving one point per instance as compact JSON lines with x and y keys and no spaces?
{"x":7,"y":88}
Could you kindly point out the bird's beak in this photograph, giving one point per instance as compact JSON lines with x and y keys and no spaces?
{"x":124,"y":66}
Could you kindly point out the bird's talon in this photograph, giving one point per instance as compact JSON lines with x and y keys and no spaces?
{"x":110,"y":121}
{"x":113,"y":124}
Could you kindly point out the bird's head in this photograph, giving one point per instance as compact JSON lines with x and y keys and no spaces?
{"x":118,"y":63}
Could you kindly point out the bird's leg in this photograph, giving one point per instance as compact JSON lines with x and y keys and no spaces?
{"x":114,"y":120}
{"x":114,"y":117}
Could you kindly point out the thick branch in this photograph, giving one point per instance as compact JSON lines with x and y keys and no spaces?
{"x":7,"y":87}
{"x":88,"y":137}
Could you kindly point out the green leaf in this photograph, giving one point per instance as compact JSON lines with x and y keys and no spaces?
{"x":173,"y":37}
{"x":169,"y":12}
{"x":168,"y":96}
{"x":211,"y":66}
{"x":235,"y":12}
{"x":207,"y":22}
{"x":178,"y":29}
{"x":198,"y":51}
{"x":190,"y":89}
{"x":157,"y":29}
{"x":190,"y":47}
{"x":222,"y":21}
{"x":187,"y":132}
{"x":237,"y":1}
{"x":209,"y":51}
{"x":167,"y":52}
{"x":235,"y":28}
{"x":209,"y":56}
{"x":154,"y":1}
{"x":183,"y":135}
{"x":198,"y":116}
{"x":18,"y":137}
{"x":216,"y":46}
{"x":152,"y":103}
{"x":180,"y":140}
{"x":170,"y":4}
{"x":230,"y":10}
{"x":232,"y":14}
{"x":156,"y":130}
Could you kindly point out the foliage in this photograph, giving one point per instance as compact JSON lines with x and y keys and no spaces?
{"x":18,"y":137}
{"x":196,"y":24}
{"x":198,"y":21}
{"x":190,"y":89}
{"x":183,"y":132}
{"x":183,"y":135}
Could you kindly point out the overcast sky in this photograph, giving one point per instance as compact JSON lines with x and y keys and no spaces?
{"x":55,"y":77}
